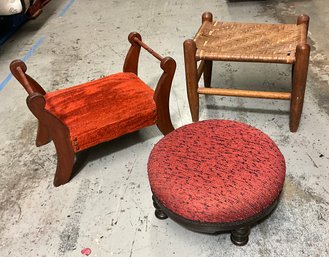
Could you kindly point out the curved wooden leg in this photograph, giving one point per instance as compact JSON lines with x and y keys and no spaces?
{"x":240,"y":236}
{"x":43,"y":136}
{"x":298,"y":85}
{"x":65,"y":162}
{"x":207,"y":73}
{"x":162,"y":95}
{"x":65,"y":154}
{"x":158,"y":212}
{"x":191,"y":78}
{"x":132,"y":57}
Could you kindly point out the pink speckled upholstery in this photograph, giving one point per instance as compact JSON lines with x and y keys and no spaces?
{"x":216,"y":171}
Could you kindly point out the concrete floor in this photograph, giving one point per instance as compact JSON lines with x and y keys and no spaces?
{"x":107,"y":205}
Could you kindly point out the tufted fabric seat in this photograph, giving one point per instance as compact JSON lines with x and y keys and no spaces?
{"x":216,"y":171}
{"x":103,"y":109}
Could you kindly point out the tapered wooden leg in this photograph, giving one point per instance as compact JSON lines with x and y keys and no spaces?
{"x":298,"y":85}
{"x":304,"y":19}
{"x":207,"y":73}
{"x":240,"y":236}
{"x":43,"y":136}
{"x":207,"y":16}
{"x":191,"y":78}
{"x":158,"y":212}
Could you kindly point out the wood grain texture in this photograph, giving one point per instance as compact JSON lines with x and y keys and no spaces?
{"x":191,"y":73}
{"x":245,"y":93}
{"x":298,"y":85}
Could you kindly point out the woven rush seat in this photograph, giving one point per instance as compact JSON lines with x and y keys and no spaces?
{"x":216,"y":175}
{"x":103,"y":109}
{"x":232,"y":41}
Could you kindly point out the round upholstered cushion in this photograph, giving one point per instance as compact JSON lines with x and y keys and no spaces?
{"x":216,"y":171}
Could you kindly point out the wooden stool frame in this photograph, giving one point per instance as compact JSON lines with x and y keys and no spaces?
{"x":299,"y":76}
{"x":52,"y":128}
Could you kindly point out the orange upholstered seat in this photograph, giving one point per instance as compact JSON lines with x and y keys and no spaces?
{"x":103,"y":109}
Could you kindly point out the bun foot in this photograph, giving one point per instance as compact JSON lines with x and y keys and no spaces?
{"x":240,"y":236}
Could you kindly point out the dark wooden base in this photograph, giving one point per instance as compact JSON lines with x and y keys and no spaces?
{"x":158,"y":212}
{"x":240,"y":230}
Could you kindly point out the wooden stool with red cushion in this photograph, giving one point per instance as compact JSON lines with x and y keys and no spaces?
{"x":79,"y":117}
{"x":216,"y":175}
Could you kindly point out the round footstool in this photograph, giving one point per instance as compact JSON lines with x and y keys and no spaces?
{"x":216,"y":175}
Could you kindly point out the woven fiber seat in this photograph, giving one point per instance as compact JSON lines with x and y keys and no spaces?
{"x":248,"y":42}
{"x":79,"y":117}
{"x":232,"y":41}
{"x":216,"y":175}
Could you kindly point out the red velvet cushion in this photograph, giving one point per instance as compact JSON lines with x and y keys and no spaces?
{"x":216,"y":171}
{"x":103,"y":109}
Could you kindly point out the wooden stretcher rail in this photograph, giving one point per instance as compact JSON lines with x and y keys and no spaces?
{"x":149,"y":49}
{"x":245,"y":93}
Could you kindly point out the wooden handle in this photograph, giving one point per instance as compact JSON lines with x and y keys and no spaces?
{"x":149,"y":49}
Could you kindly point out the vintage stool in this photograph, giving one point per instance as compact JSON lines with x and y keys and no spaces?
{"x":216,"y":175}
{"x":82,"y":116}
{"x":240,"y":42}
